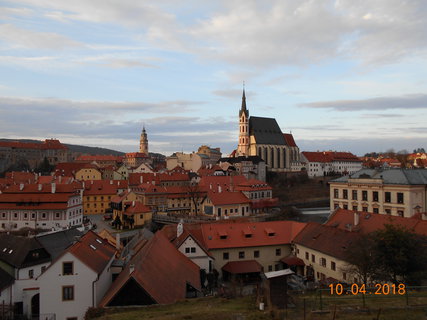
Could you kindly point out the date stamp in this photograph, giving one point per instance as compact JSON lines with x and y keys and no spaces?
{"x":378,"y":289}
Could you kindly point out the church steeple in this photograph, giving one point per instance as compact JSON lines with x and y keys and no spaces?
{"x":243,"y":147}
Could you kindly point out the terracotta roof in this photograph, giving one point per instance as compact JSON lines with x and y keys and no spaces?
{"x":135,"y":207}
{"x":329,"y":240}
{"x":289,"y":138}
{"x":223,"y":181}
{"x":49,"y":144}
{"x":93,"y":251}
{"x":244,"y":266}
{"x":136,"y":155}
{"x":293,"y":261}
{"x":253,"y":185}
{"x":227,"y":197}
{"x":68,"y":168}
{"x":104,"y":187}
{"x":161,"y":271}
{"x":21,"y":177}
{"x":330,"y":156}
{"x":263,"y":233}
{"x":370,"y":222}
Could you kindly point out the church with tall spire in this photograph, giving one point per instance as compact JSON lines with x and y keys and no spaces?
{"x":259,"y":136}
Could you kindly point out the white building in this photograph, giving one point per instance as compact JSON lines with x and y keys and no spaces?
{"x":77,"y":279}
{"x":325,"y":163}
{"x":44,"y":206}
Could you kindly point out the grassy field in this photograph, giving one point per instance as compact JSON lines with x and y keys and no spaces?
{"x":245,"y":309}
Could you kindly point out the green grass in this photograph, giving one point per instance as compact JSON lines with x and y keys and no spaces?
{"x":212,"y":308}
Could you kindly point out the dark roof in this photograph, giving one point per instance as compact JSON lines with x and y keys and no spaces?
{"x":390,"y":176}
{"x":5,"y":279}
{"x":328,"y":240}
{"x":245,"y":266}
{"x":232,"y":160}
{"x":22,"y":252}
{"x":243,"y":107}
{"x":266,"y":131}
{"x":55,"y":243}
{"x":161,"y":270}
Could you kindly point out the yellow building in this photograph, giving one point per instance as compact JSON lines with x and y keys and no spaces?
{"x":88,"y":172}
{"x":97,"y":194}
{"x":398,"y":192}
{"x":129,"y":213}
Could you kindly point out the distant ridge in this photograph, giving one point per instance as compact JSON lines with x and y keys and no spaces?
{"x":76,"y":148}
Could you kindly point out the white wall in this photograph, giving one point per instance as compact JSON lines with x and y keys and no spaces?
{"x":51,"y":283}
{"x":199,"y":257}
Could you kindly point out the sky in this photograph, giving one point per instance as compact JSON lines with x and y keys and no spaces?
{"x":340,"y":75}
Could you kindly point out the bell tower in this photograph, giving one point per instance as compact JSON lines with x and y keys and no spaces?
{"x":143,"y":142}
{"x":243,"y":147}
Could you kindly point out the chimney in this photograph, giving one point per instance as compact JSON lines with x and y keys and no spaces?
{"x":179,"y":228}
{"x":111,"y":181}
{"x":21,"y":186}
{"x":141,"y":179}
{"x":39,"y":187}
{"x":356,"y":218}
{"x":53,"y":187}
{"x":133,"y":203}
{"x":219,"y":189}
{"x":131,"y":268}
{"x":60,"y":179}
{"x":118,"y":241}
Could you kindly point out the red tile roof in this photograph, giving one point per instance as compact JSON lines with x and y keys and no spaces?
{"x":244,"y":266}
{"x":281,"y":232}
{"x":289,"y":138}
{"x":370,"y":222}
{"x":136,"y":155}
{"x":49,"y":144}
{"x":101,"y":187}
{"x":227,"y":197}
{"x":135,"y":207}
{"x":329,"y":156}
{"x":161,"y":270}
{"x":222,"y":180}
{"x":21,"y":177}
{"x":293,"y":261}
{"x":93,"y":251}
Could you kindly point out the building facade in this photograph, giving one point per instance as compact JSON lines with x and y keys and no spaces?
{"x":398,"y":192}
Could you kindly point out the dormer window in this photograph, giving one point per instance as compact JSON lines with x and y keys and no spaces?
{"x":270,"y":232}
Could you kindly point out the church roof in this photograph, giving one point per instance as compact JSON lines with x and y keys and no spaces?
{"x":266,"y":131}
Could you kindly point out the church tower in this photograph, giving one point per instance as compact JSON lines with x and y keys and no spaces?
{"x":143,"y":142}
{"x":243,"y":147}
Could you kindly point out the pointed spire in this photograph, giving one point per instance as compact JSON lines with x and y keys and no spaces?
{"x":243,"y":109}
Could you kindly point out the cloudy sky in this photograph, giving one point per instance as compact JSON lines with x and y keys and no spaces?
{"x":340,"y":75}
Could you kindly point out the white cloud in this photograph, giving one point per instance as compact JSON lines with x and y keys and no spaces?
{"x":23,"y":38}
{"x":411,"y":101}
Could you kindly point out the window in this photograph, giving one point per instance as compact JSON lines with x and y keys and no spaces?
{"x":387,"y":211}
{"x":313,"y":258}
{"x":365,"y":195}
{"x":307,"y":256}
{"x":323,"y":262}
{"x":67,"y":293}
{"x":345,"y":194}
{"x":345,"y":207}
{"x":278,"y":252}
{"x":400,"y":213}
{"x":376,"y":210}
{"x":399,"y":197}
{"x":355,"y":208}
{"x":375,"y":196}
{"x":187,"y":250}
{"x":67,"y":268}
{"x":365,"y":209}
{"x":333,"y":266}
{"x":241,"y":254}
{"x":336,"y":194}
{"x":344,"y":276}
{"x":387,"y":197}
{"x":31,"y":273}
{"x":225,"y":256}
{"x":354,"y":194}
{"x":256,"y":254}
{"x":270,"y":268}
{"x":193,"y":249}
